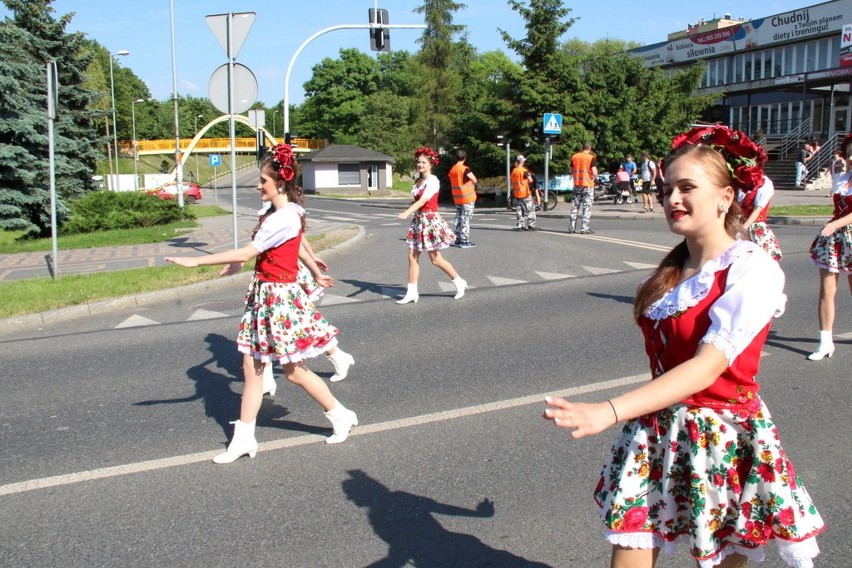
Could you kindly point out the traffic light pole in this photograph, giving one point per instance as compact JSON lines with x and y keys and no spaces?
{"x":315,"y":36}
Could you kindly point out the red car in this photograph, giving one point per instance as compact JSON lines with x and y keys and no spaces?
{"x":191,"y":192}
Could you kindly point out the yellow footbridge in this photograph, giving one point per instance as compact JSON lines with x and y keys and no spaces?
{"x":198,"y":144}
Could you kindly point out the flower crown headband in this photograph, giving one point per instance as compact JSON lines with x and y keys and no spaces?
{"x":285,"y":162}
{"x":745,"y":159}
{"x":429,"y":153}
{"x":844,"y":145}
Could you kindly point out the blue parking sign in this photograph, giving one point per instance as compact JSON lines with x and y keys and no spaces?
{"x":214,"y":160}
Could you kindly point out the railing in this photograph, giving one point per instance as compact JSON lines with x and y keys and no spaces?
{"x":823,"y":157}
{"x":210,"y":145}
{"x":792,"y":141}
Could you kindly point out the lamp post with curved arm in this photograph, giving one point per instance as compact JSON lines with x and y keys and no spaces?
{"x":122,"y":52}
{"x":194,"y":151}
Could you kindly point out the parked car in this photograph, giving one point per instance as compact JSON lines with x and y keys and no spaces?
{"x":191,"y":191}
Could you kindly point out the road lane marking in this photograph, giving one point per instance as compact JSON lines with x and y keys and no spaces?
{"x":151,"y":465}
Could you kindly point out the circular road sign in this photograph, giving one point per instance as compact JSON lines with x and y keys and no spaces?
{"x":245,"y":88}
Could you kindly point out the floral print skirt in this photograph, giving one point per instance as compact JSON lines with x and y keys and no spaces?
{"x":718,"y":479}
{"x":834,"y":252}
{"x":760,"y":234}
{"x":308,"y":284}
{"x":281,"y":323}
{"x":429,"y":231}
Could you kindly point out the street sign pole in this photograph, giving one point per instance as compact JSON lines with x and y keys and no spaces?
{"x":52,"y":104}
{"x":551,"y":125}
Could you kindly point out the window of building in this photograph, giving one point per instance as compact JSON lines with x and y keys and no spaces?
{"x":348,"y":174}
{"x":737,"y":69}
{"x":778,"y":62}
{"x":834,"y":52}
{"x":825,"y":54}
{"x":799,"y":60}
{"x":767,"y":63}
{"x":748,"y":71}
{"x":758,"y":64}
{"x":789,"y":56}
{"x":810,"y":56}
{"x":722,"y":71}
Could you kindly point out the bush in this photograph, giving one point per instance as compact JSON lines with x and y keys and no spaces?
{"x":105,"y":210}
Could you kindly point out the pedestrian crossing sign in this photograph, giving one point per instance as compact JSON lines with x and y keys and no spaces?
{"x":552,"y":123}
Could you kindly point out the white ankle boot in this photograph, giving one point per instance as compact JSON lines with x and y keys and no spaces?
{"x":269,"y":384}
{"x":342,"y":420}
{"x":341,"y":361}
{"x":241,"y":444}
{"x":411,"y":295}
{"x":460,"y":286}
{"x":826,"y":346}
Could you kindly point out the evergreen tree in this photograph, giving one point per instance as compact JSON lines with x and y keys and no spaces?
{"x":27,"y":40}
{"x":440,"y":78}
{"x":549,"y":78}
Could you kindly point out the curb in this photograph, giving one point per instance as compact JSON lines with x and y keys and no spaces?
{"x":100,"y":307}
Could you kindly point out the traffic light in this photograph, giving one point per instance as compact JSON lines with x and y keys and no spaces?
{"x":379,"y":37}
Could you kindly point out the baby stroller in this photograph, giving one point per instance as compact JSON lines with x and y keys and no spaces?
{"x":623,"y":194}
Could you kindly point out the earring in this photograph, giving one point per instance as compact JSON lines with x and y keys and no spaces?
{"x":723,"y":208}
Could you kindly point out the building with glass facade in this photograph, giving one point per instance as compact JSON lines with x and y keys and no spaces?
{"x":787,"y":72}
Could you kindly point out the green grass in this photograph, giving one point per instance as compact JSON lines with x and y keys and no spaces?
{"x":10,"y":243}
{"x":35,"y":295}
{"x":801,"y":211}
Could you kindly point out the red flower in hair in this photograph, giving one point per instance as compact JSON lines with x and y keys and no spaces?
{"x":745,"y":158}
{"x":429,"y":153}
{"x":282,"y":155}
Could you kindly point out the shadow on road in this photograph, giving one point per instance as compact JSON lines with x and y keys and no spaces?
{"x":415,"y":538}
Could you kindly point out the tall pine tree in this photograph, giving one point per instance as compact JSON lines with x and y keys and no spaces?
{"x":28,"y":40}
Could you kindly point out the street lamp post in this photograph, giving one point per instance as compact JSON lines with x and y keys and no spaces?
{"x":122,"y":52}
{"x":504,"y":141}
{"x":135,"y":147}
{"x":196,"y":146}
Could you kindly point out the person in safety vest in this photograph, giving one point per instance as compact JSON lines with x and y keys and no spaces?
{"x":584,"y":168}
{"x":463,"y":183}
{"x":524,"y":202}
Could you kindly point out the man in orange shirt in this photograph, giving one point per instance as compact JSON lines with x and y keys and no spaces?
{"x":463,"y":183}
{"x":524,"y":203}
{"x":584,"y":168}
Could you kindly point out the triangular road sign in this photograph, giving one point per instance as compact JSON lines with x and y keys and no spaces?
{"x":240,"y":25}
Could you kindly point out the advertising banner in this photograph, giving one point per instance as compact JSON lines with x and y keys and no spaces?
{"x":701,"y":45}
{"x":846,"y":46}
{"x":794,"y":25}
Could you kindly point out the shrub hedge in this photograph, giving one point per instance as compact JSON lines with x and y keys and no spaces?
{"x":105,"y":210}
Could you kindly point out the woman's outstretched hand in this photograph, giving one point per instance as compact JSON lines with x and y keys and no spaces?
{"x":584,"y":419}
{"x":185,"y":261}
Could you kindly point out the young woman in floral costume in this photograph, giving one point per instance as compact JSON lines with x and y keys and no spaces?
{"x":428,"y":231}
{"x":831,"y":252}
{"x":280,"y":321}
{"x":755,"y":206}
{"x":698,"y":458}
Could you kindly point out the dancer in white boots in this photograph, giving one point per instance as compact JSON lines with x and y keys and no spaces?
{"x":428,"y":230}
{"x":831,"y":252}
{"x":280,"y":322}
{"x":340,"y":359}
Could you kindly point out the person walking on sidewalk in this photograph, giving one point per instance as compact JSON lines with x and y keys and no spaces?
{"x":522,"y":191}
{"x":831,"y":252}
{"x":428,"y":231}
{"x":698,"y":457}
{"x":584,"y":168}
{"x":805,"y":155}
{"x":648,"y":173}
{"x":280,"y":322}
{"x":463,"y":183}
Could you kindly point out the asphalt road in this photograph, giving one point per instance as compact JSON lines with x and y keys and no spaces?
{"x":108,"y":425}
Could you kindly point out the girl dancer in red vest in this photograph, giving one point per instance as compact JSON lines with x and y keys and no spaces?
{"x":698,"y":458}
{"x":428,"y":230}
{"x":280,"y":322}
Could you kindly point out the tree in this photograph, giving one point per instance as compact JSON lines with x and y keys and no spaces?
{"x":28,"y":39}
{"x":549,"y":77}
{"x":439,"y":80}
{"x":336,"y":97}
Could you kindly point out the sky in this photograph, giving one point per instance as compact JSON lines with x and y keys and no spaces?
{"x":144,"y":29}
